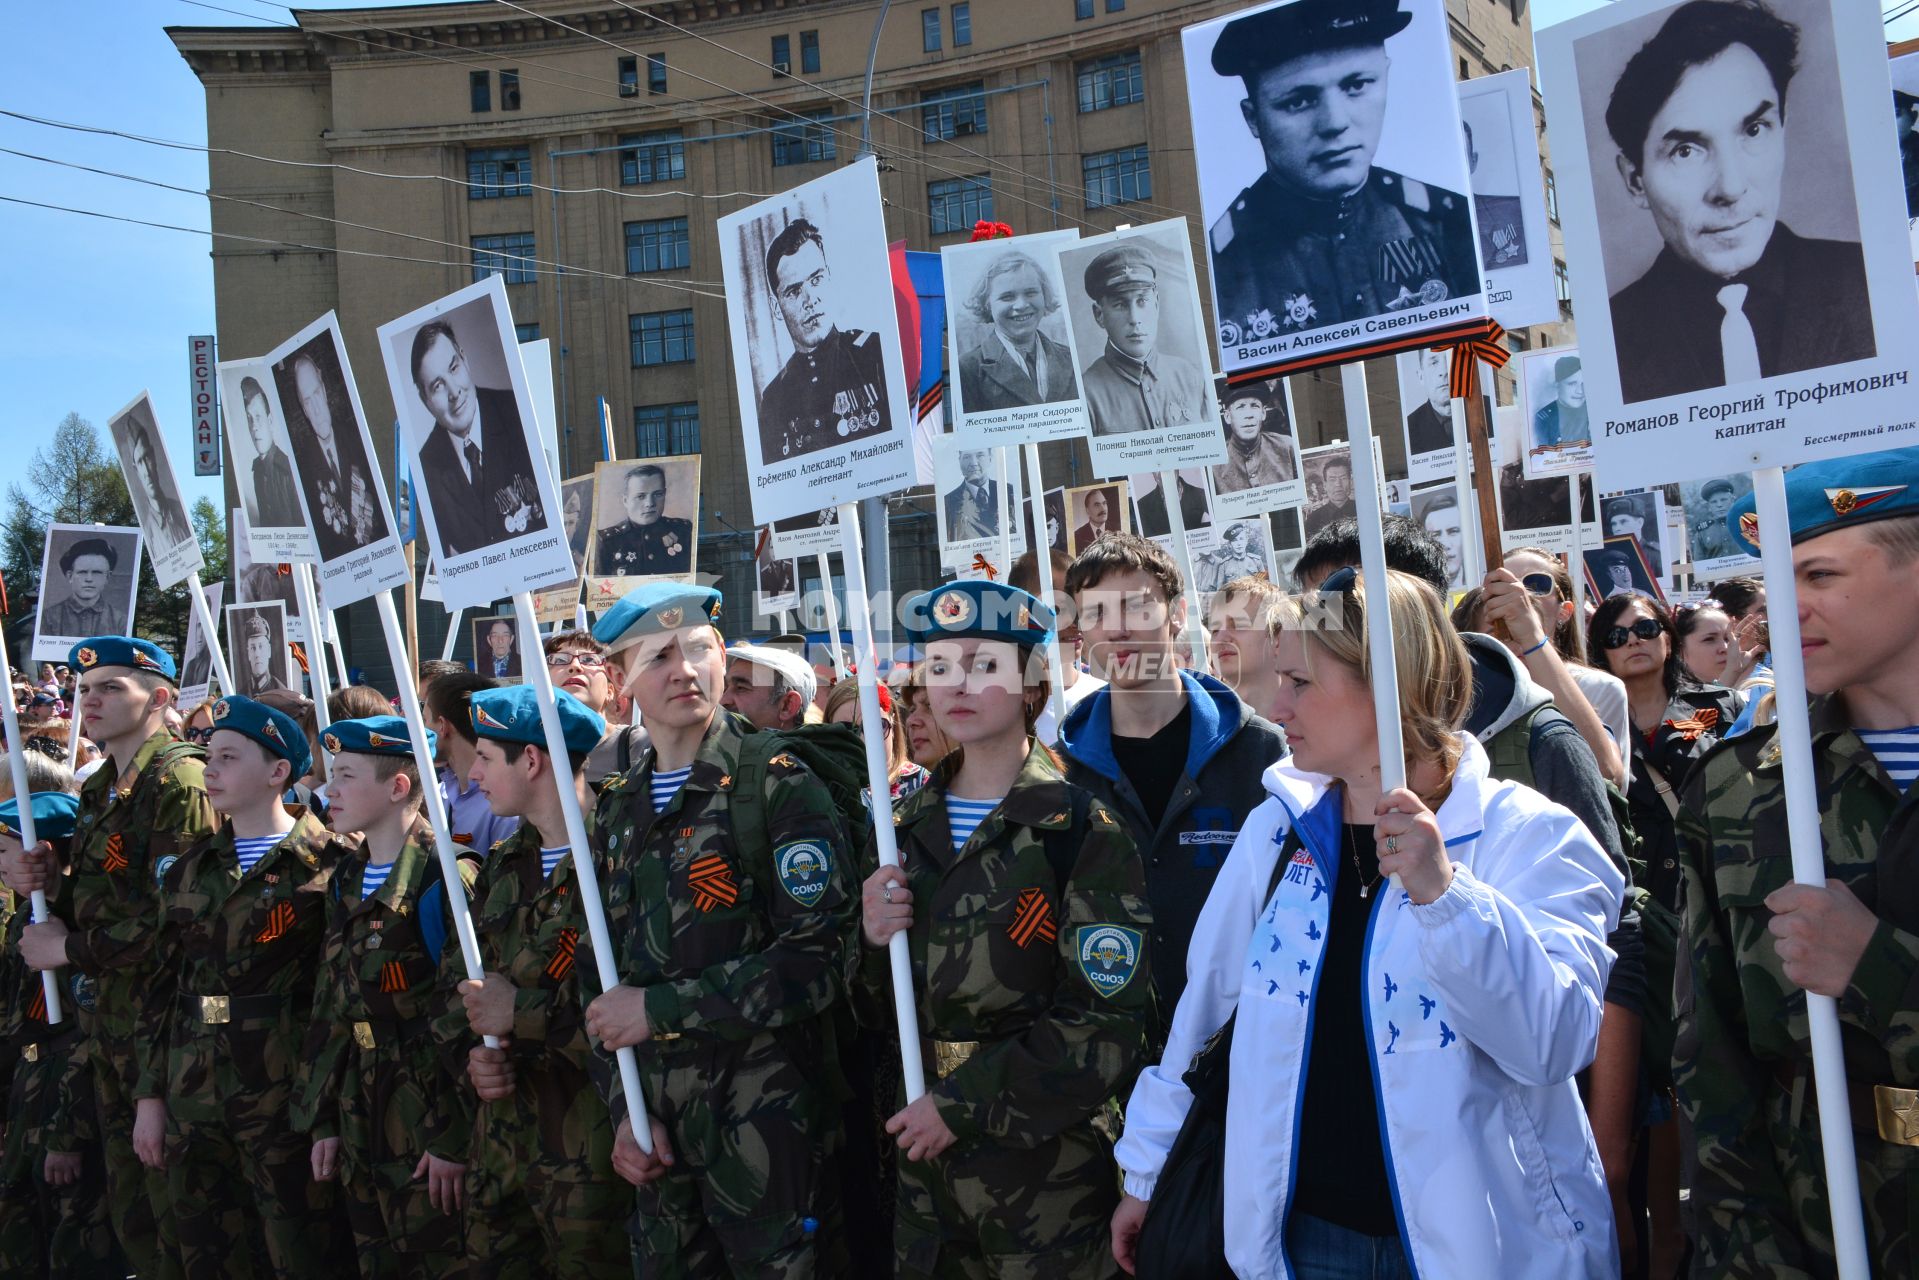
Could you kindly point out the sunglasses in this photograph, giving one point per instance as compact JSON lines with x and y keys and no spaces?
{"x":1645,"y":629}
{"x":560,"y":661}
{"x":1539,"y":584}
{"x":199,"y":735}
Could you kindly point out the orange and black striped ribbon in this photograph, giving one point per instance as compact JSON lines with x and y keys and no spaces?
{"x":982,"y":565}
{"x":116,"y":859}
{"x":712,"y":883}
{"x":562,"y":962}
{"x":279,"y":920}
{"x":392,"y":977}
{"x":1033,"y":919}
{"x":37,"y":1009}
{"x":1489,"y":346}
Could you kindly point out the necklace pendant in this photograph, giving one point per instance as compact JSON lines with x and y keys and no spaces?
{"x":1365,"y":891}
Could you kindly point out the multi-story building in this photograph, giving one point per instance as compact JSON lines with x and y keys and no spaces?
{"x":584,"y":148}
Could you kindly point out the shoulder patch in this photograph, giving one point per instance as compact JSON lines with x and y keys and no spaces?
{"x":805,"y":868}
{"x":1109,"y":956}
{"x":1417,"y":195}
{"x":163,"y":866}
{"x":1222,"y":232}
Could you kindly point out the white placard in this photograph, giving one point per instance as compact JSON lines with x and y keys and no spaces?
{"x":255,"y":581}
{"x":824,"y":406}
{"x":1552,"y":404}
{"x":148,"y":469}
{"x":1014,"y":378}
{"x":341,"y":488}
{"x":257,"y":648}
{"x":89,"y":575}
{"x":486,"y":497}
{"x":1714,"y":552}
{"x":1261,"y":472}
{"x":1152,"y":516}
{"x":1393,"y":167}
{"x":1509,"y":198}
{"x":1905,"y":101}
{"x":1240,"y":548}
{"x":1435,"y":508}
{"x":1742,"y":273}
{"x":810,"y":533}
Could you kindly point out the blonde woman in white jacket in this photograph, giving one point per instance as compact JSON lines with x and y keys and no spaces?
{"x":1401,"y":1099}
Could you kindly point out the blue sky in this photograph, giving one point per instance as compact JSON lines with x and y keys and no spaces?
{"x":97,"y":310}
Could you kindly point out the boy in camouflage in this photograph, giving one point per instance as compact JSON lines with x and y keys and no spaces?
{"x":732,"y":948}
{"x":1029,"y":962}
{"x":382,"y":1101}
{"x":1755,"y":940}
{"x":244,"y":916}
{"x":542,"y":1197}
{"x":53,"y":1206}
{"x":138,"y":812}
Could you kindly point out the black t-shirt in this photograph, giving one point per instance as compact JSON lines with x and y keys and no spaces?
{"x":1154,"y":765}
{"x":1342,"y":1160}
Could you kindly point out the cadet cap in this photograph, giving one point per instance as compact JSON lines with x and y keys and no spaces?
{"x":55,"y":814}
{"x":374,"y":736}
{"x":512,"y":714}
{"x":123,"y":651}
{"x":1837,"y":494}
{"x":273,"y":729}
{"x":654,"y":607}
{"x":978,"y":607}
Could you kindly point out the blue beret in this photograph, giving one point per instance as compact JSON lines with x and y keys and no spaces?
{"x":978,"y":607}
{"x":54,"y":815}
{"x":374,"y":736}
{"x":1269,"y":37}
{"x":512,"y":714}
{"x":122,"y":651}
{"x":275,"y":730}
{"x":654,"y":607}
{"x":1837,"y":494}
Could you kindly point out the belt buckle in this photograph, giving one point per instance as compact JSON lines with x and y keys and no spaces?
{"x":215,"y":1010}
{"x":30,"y":1053}
{"x":363,"y":1034}
{"x":1897,"y":1111}
{"x":948,"y":1055}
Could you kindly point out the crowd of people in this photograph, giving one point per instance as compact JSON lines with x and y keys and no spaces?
{"x":1197,"y":992}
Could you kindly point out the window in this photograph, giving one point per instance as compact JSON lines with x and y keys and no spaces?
{"x":1112,"y":81}
{"x":656,"y":73}
{"x":1082,"y":10}
{"x":1552,"y":198}
{"x":782,"y":56}
{"x":629,"y":77}
{"x":1562,"y":284}
{"x":663,"y":429}
{"x":659,"y":245}
{"x":1115,"y":6}
{"x":652,"y":157}
{"x":661,"y":337}
{"x":956,"y":204}
{"x":494,"y":172}
{"x":1465,"y":72}
{"x":509,"y":91}
{"x":480,"y":89}
{"x":506,"y":255}
{"x":527,"y":332}
{"x":810,"y":53}
{"x":803,"y":141}
{"x":930,"y":29}
{"x":1117,"y":177}
{"x":951,"y":112}
{"x":962,"y":25}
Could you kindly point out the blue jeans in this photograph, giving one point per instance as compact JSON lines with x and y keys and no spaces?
{"x":1319,"y":1250}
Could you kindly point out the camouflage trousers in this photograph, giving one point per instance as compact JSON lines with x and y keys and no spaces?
{"x":530,"y":1215}
{"x":753,"y":1191}
{"x":137,"y":1200}
{"x":59,"y":1233}
{"x":250,"y":1179}
{"x":398,"y":1234}
{"x":1028,"y":1213}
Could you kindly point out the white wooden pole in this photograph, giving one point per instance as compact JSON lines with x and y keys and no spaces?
{"x":1043,"y":559}
{"x":452,"y":634}
{"x":1004,"y":515}
{"x":198,"y":596}
{"x":17,"y":761}
{"x":1471,"y":545}
{"x":316,"y":652}
{"x":1576,"y":564}
{"x":832,"y":605}
{"x":1176,"y":522}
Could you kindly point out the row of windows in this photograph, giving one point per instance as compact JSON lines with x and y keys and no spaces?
{"x":630,"y":75}
{"x":954,"y":112}
{"x":809,"y":54}
{"x":663,"y":429}
{"x":1112,"y":81}
{"x":479,"y":88}
{"x":807,"y":141}
{"x":1083,"y":9}
{"x":931,"y":28}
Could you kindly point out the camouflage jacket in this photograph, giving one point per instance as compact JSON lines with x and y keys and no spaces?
{"x":724,"y":949}
{"x":249,"y":943}
{"x":1011,"y":954}
{"x":1742,"y":1024}
{"x":123,"y":842}
{"x":49,"y":1100}
{"x":528,"y":925}
{"x":372,"y":1073}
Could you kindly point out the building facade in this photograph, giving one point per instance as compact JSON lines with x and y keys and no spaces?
{"x":585,"y":149}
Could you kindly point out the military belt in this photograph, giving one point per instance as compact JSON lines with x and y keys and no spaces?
{"x":1886,"y":1110}
{"x":214,"y":1011}
{"x":950,"y":1055}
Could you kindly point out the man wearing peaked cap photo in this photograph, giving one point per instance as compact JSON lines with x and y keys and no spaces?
{"x":1256,"y":456}
{"x":1135,"y":385}
{"x":1755,"y":940}
{"x":256,"y":675}
{"x":1324,"y":236}
{"x":1562,"y":422}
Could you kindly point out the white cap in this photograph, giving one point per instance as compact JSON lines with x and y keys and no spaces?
{"x":789,"y":665}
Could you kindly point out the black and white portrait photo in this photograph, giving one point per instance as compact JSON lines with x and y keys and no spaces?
{"x":1329,"y":486}
{"x":1905,"y":118}
{"x":1332,"y":175}
{"x":1151,"y":513}
{"x":331,"y":454}
{"x":262,"y":457}
{"x":482,"y":488}
{"x":576,"y":517}
{"x":1534,"y":513}
{"x":147,"y":465}
{"x":1426,"y":403}
{"x":816,"y":345}
{"x":1095,"y":509}
{"x":196,"y":661}
{"x":966,"y":482}
{"x":1289,"y":545}
{"x":258,"y":581}
{"x":88,"y":577}
{"x":1054,"y":535}
{"x":1714,"y":552}
{"x":1261,"y":471}
{"x":496,"y":649}
{"x":643,"y":521}
{"x":777,"y":580}
{"x":1007,"y":339}
{"x":1436,"y":510}
{"x":1509,"y":197}
{"x":257,"y":652}
{"x":1619,"y":567}
{"x":1732,"y":219}
{"x":808,"y":533}
{"x":1244,"y":548}
{"x":1640,"y":515}
{"x":1552,"y":391}
{"x":1138,"y":336}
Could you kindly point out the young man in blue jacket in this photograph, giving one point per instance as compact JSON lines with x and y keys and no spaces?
{"x":1175,"y":753}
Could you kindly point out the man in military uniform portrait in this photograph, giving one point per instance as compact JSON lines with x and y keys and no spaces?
{"x":1501,"y":219}
{"x":1195,"y":511}
{"x":1429,"y":427}
{"x":256,"y":674}
{"x":475,"y":463}
{"x":1324,"y":236}
{"x":273,"y":502}
{"x":1631,"y":514}
{"x":1699,"y":120}
{"x":1259,"y":448}
{"x":1561,"y":422}
{"x":1134,"y":384}
{"x":648,"y":541}
{"x":328,"y":451}
{"x":1711,"y":538}
{"x":80,"y":605}
{"x":162,"y":514}
{"x":1239,"y":554}
{"x":1336,"y":493}
{"x":833,"y":387}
